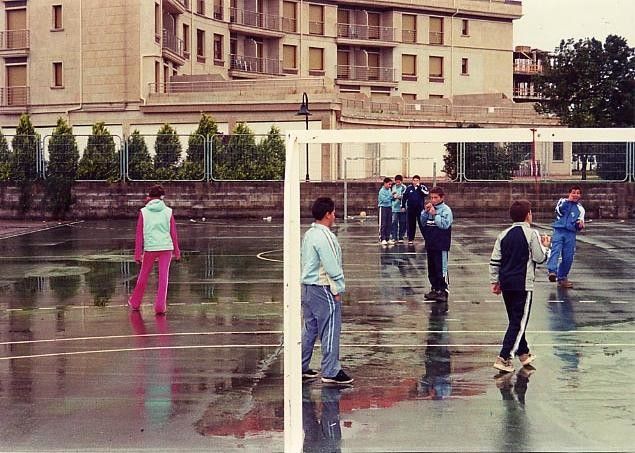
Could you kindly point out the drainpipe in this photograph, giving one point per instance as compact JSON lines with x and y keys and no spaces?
{"x":81,"y":67}
{"x":301,"y":23}
{"x":452,"y":51}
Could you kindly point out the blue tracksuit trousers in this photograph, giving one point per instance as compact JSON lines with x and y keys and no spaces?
{"x":562,"y":243}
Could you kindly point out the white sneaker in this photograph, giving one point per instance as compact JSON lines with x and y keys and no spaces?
{"x":391,"y":241}
{"x":384,"y":242}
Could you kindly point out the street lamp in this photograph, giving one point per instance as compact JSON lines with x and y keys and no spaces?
{"x":304,"y":110}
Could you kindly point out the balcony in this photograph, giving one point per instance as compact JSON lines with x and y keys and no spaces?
{"x":255,"y":23}
{"x":365,"y":73}
{"x":527,"y":93}
{"x":14,"y":42}
{"x":436,"y":38}
{"x":255,"y":65}
{"x":175,"y":6}
{"x":361,"y":34}
{"x":17,"y":96}
{"x":528,"y":67}
{"x":172,"y":48}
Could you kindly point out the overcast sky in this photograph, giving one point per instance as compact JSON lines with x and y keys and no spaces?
{"x":546,"y":22}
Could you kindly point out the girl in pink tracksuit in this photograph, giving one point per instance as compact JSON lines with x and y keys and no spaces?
{"x":156,"y":240}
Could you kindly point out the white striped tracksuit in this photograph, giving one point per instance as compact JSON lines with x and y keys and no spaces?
{"x":322,"y":278}
{"x":513,"y":266}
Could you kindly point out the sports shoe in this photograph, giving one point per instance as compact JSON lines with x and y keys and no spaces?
{"x":552,"y":276}
{"x":400,"y":241}
{"x":565,"y":283}
{"x":411,"y":242}
{"x":339,"y":378}
{"x":310,"y":374}
{"x":504,"y":365}
{"x":442,"y":296}
{"x":432,"y":295}
{"x":526,"y":359}
{"x":384,"y":242}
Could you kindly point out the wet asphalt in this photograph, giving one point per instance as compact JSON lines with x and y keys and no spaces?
{"x":79,"y":371}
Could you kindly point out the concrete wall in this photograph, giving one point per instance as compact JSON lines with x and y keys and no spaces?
{"x":262,"y":199}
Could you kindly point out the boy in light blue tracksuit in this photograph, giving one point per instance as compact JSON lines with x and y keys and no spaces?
{"x":322,"y":288}
{"x":384,"y":202}
{"x":569,"y":220}
{"x":398,"y":211}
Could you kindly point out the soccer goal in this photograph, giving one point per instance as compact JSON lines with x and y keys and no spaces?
{"x":479,"y":155}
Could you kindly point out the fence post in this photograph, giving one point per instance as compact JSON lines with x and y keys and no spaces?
{"x":123,"y":160}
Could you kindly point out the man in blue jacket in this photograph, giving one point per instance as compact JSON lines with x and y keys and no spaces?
{"x":569,"y":220}
{"x":412,"y":200}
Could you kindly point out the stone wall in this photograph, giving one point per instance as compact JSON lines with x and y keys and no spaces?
{"x":95,"y":200}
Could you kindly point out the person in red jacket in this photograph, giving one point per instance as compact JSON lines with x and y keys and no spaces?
{"x":156,"y":240}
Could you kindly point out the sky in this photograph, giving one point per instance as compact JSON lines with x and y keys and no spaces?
{"x":546,"y":22}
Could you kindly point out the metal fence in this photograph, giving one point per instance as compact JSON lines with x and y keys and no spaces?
{"x":249,"y":157}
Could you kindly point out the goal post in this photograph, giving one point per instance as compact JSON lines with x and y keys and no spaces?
{"x":295,"y":140}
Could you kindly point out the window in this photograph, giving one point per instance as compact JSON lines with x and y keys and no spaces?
{"x":200,"y":7}
{"x":289,"y":57}
{"x":558,"y":151}
{"x":200,"y":46}
{"x":408,"y":97}
{"x":436,"y":69}
{"x":289,"y":17}
{"x":218,"y":9}
{"x":435,"y":96}
{"x":464,"y":66}
{"x":409,"y":28}
{"x":58,"y":80}
{"x":157,"y":77}
{"x":316,"y":59}
{"x":465,"y":27}
{"x":374,"y":26}
{"x":186,"y":40}
{"x":316,"y":19}
{"x":436,"y":30}
{"x":157,"y":22}
{"x":409,"y":67}
{"x":218,"y":49}
{"x":57,"y":17}
{"x":166,"y":77}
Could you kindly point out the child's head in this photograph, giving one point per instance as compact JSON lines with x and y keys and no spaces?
{"x":323,"y":206}
{"x":416,"y":179}
{"x":398,"y":179}
{"x":575,"y":193}
{"x":436,"y":195}
{"x":387,"y":183}
{"x":520,"y":211}
{"x":156,"y":191}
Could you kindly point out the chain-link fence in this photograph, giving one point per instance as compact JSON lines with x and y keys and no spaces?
{"x":244,"y":157}
{"x":21,"y":158}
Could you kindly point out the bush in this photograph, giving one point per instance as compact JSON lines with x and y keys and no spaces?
{"x":167,"y":153}
{"x":100,"y":160}
{"x":139,"y":159}
{"x":62,"y":168}
{"x":5,"y":159}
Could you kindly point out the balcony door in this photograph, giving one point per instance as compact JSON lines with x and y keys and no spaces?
{"x":16,"y":85}
{"x":343,"y":64}
{"x":373,"y":65}
{"x":16,"y":29}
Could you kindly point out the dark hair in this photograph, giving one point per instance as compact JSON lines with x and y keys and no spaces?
{"x":416,"y":177}
{"x":398,"y":178}
{"x":156,"y":191}
{"x":387,"y":179}
{"x":438,"y":190}
{"x":321,"y":207}
{"x":519,"y":209}
{"x":572,"y":188}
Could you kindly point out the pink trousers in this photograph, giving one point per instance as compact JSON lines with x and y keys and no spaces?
{"x":164,"y":257}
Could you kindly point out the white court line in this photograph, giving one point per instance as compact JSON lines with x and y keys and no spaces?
{"x":555,"y":301}
{"x":24,"y":233}
{"x":618,"y":301}
{"x":587,"y":301}
{"x":366,"y":302}
{"x":245,"y":346}
{"x":264,"y":258}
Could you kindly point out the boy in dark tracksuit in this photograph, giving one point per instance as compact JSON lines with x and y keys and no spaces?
{"x":437,"y":230}
{"x":413,"y":199}
{"x":512,"y":270}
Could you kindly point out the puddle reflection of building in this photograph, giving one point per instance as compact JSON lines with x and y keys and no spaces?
{"x":562,"y":319}
{"x":322,"y":433}
{"x":436,"y":383}
{"x":153,"y":387}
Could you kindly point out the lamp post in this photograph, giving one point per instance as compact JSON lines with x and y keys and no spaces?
{"x":304,"y":110}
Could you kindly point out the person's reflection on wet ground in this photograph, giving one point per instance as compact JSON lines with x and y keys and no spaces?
{"x":436,"y":383}
{"x":154,"y":385}
{"x":562,"y":319}
{"x":324,"y":433}
{"x":514,"y":424}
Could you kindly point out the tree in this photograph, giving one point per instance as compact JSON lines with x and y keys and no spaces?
{"x":235,"y":159}
{"x":271,"y":153}
{"x":139,"y":159}
{"x":590,"y":84}
{"x":167,"y":152}
{"x":194,"y":165}
{"x":25,"y":146}
{"x":100,"y":159}
{"x":62,"y":168}
{"x":5,"y":159}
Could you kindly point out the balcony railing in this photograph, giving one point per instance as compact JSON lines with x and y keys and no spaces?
{"x":173,"y":43}
{"x":316,"y":28}
{"x":354,"y":31}
{"x":363,"y":73}
{"x":14,"y":39}
{"x":218,"y":12}
{"x":255,"y":64}
{"x":436,"y":37}
{"x":409,"y":36}
{"x":254,"y":19}
{"x":529,"y":93}
{"x":528,"y":67}
{"x":289,"y":25}
{"x":14,"y":96}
